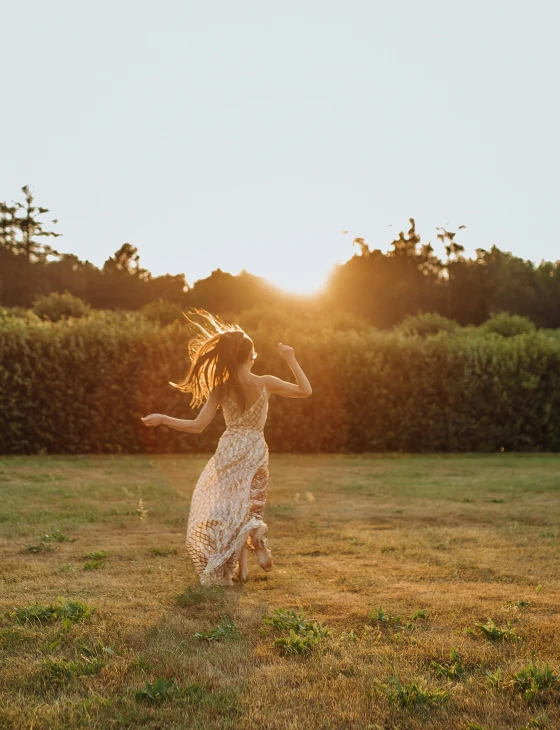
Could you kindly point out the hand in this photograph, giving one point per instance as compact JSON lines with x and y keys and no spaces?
{"x":286,"y":352}
{"x":154,"y":419}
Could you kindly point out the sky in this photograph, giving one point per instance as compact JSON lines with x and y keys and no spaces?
{"x":249,"y":135}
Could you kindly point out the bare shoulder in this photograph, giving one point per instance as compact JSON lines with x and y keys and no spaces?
{"x":271,"y":382}
{"x":263,"y":380}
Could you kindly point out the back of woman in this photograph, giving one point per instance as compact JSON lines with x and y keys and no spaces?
{"x":250,"y":415}
{"x":226,"y":513}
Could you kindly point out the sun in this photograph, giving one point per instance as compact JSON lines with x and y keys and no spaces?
{"x":303,"y":281}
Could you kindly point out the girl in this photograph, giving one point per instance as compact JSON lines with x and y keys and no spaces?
{"x":226,"y":513}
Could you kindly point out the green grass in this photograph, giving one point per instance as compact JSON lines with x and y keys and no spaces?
{"x":225,"y":630}
{"x":533,"y":680}
{"x":453,"y":669}
{"x":301,"y":635}
{"x":162,"y":552}
{"x":381,"y":562}
{"x":497,"y":633}
{"x":69,"y":610}
{"x":414,"y":693}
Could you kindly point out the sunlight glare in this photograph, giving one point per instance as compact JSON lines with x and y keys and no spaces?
{"x":304,"y":281}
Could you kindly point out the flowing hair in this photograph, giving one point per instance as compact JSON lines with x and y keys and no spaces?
{"x":215,"y":353}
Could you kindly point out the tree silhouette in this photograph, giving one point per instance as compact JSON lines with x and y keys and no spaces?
{"x":20,"y":228}
{"x":126,"y":261}
{"x":381,"y":288}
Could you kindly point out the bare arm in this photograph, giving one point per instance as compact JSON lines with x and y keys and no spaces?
{"x":290,"y":390}
{"x":196,"y":425}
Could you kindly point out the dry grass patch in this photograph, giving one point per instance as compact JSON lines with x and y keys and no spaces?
{"x":408,"y":592}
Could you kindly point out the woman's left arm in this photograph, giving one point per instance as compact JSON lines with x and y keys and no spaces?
{"x":290,"y":390}
{"x":196,"y":425}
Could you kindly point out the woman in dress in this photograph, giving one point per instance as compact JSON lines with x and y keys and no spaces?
{"x":226,"y":513}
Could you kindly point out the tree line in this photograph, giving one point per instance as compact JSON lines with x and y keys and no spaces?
{"x":380,"y":288}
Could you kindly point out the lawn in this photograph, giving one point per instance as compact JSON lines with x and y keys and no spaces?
{"x":408,"y":592}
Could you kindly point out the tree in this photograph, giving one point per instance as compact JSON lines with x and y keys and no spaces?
{"x":20,"y":228}
{"x":126,"y":261}
{"x":8,"y":239}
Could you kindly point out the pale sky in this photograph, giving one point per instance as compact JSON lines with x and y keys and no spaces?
{"x":251,"y":134}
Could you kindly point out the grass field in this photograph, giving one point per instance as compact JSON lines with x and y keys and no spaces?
{"x":394,"y":566}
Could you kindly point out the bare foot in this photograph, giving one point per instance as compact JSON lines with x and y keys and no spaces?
{"x":260,"y":543}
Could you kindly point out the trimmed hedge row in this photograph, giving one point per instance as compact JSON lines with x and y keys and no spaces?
{"x":80,"y":386}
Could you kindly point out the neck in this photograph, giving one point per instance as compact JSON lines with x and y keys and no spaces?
{"x":244,"y":374}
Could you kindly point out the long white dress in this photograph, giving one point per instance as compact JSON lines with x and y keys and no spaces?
{"x":229,"y":497}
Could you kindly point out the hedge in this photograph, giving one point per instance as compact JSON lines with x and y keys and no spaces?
{"x":81,"y":386}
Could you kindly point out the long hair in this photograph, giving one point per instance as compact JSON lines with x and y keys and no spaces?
{"x":215,"y":353}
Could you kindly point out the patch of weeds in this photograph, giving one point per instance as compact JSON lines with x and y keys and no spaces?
{"x":55,"y":672}
{"x":162,"y":552}
{"x":160,"y":691}
{"x":39,"y":547}
{"x":225,"y":630}
{"x":496,"y":678}
{"x":282,"y":619}
{"x":96,"y":555}
{"x":67,"y":611}
{"x":533,"y":680}
{"x":67,"y":567}
{"x":453,"y":669}
{"x":95,"y":559}
{"x":540,"y":721}
{"x":94,"y":564}
{"x":303,"y":634}
{"x":517,"y":604}
{"x":466,"y":499}
{"x":58,"y":536}
{"x":94,"y":650}
{"x":297,"y":643}
{"x":496,"y":501}
{"x":351,"y":635}
{"x":379,"y":615}
{"x":497,"y":633}
{"x":414,"y":693}
{"x":199,"y":596}
{"x":45,"y":542}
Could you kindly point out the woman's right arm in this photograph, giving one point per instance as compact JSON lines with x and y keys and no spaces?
{"x":196,"y":425}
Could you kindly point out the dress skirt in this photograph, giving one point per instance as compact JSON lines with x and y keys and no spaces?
{"x":227,"y":504}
